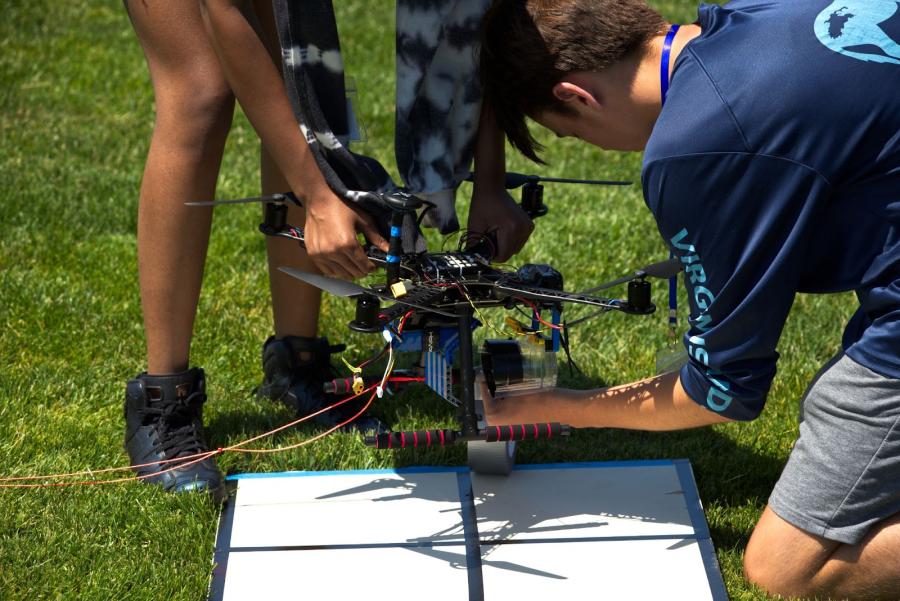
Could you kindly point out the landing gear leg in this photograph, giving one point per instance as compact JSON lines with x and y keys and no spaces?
{"x":489,"y":458}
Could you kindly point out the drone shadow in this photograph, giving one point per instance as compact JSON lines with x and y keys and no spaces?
{"x":531,"y":506}
{"x":447,"y":545}
{"x":727,"y":474}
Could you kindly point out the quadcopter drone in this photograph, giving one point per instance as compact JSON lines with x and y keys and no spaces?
{"x":430,"y":303}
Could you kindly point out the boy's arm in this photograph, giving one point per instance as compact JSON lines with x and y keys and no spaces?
{"x":741,"y":224}
{"x":492,"y":206}
{"x":658,"y":403}
{"x":331,"y":225}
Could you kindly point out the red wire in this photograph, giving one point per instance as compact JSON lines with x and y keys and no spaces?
{"x":181,"y":461}
{"x":538,"y":316}
{"x":314,"y":438}
{"x":403,"y":321}
{"x":114,"y":481}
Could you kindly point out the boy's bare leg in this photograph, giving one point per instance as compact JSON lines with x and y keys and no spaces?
{"x":194,"y":107}
{"x":788,"y":561}
{"x":295,"y":305}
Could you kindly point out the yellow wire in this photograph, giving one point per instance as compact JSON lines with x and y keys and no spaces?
{"x":484,"y":319}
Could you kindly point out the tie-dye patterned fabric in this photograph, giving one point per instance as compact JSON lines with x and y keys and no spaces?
{"x":438,"y":100}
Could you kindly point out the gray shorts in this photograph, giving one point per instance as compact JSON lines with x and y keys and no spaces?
{"x":843,"y":475}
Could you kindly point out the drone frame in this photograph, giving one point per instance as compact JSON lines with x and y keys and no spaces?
{"x":452,"y":303}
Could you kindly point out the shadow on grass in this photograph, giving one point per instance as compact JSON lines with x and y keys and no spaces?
{"x":246,"y":420}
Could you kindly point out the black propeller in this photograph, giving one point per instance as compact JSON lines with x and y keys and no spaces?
{"x":285,"y":197}
{"x":662,"y":270}
{"x":517,"y":180}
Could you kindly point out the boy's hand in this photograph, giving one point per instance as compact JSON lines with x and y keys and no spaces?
{"x":495,"y":209}
{"x":330,"y":231}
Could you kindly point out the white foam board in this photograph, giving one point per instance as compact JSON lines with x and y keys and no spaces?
{"x":347,"y":574}
{"x":622,"y":570}
{"x":591,"y":502}
{"x":346,"y":509}
{"x":589,"y":531}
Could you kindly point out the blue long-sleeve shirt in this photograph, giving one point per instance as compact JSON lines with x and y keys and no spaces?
{"x":774,"y":168}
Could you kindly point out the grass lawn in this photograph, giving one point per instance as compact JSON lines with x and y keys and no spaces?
{"x":76,"y":113}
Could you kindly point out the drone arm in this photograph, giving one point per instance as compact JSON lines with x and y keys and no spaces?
{"x":658,"y":404}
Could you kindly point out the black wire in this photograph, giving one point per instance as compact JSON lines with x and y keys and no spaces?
{"x":564,"y":342}
{"x":444,"y":241}
{"x":428,"y":206}
{"x":376,"y":357}
{"x":529,"y":316}
{"x":466,"y":237}
{"x":584,"y":317}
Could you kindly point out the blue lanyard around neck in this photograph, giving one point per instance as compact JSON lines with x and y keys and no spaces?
{"x":664,"y":90}
{"x":664,"y":62}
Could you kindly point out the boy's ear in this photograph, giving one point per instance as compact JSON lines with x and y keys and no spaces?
{"x":569,"y":91}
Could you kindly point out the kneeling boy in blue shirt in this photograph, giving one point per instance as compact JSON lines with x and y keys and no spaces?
{"x":771,"y":133}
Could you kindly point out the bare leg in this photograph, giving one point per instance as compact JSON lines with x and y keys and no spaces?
{"x":194,"y":107}
{"x":787,"y":561}
{"x":295,"y":306}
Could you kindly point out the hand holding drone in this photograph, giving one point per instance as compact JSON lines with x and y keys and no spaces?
{"x":434,"y":302}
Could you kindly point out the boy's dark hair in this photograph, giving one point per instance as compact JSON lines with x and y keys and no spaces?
{"x":529,"y":45}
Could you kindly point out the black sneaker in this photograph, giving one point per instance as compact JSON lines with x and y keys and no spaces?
{"x":299,"y":382}
{"x":163,"y":421}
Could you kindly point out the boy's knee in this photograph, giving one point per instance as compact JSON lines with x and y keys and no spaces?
{"x":778,"y":579}
{"x":213,"y":99}
{"x":195,"y":107}
{"x":773,"y":576}
{"x":782,"y":559}
{"x":192,"y":97}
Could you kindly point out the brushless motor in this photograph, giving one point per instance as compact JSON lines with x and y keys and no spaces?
{"x":366,"y":319}
{"x":639,"y":295}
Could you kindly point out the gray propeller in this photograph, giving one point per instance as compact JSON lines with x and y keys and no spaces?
{"x":349,"y":289}
{"x":331,"y":285}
